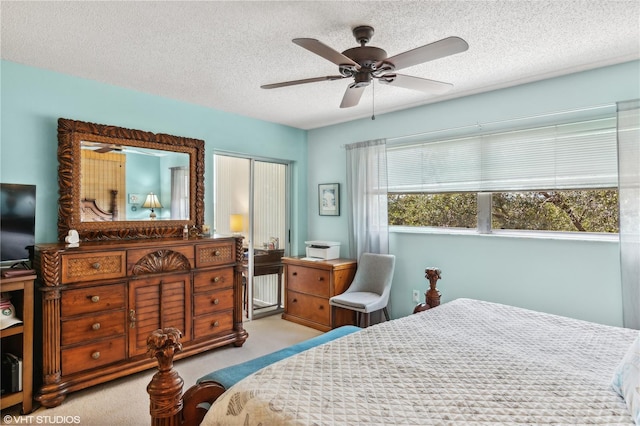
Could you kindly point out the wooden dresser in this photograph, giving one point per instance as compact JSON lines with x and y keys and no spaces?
{"x":101,"y":300}
{"x":18,"y":339}
{"x":308,"y":287}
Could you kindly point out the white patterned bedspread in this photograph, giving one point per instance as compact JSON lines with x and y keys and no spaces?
{"x":464,"y":362}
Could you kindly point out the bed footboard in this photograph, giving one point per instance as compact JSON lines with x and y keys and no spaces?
{"x":168,"y":407}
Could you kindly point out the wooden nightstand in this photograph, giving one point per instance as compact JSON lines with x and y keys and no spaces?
{"x":308,"y":287}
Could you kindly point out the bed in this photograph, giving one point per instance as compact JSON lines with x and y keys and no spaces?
{"x":464,"y":362}
{"x":91,"y":212}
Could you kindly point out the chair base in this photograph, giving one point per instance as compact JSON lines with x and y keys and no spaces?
{"x":367,"y":317}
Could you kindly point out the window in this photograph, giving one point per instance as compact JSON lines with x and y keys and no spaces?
{"x":445,"y":210}
{"x":565,"y":211}
{"x":560,"y":177}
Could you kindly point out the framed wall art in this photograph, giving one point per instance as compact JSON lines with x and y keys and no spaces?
{"x":329,"y":199}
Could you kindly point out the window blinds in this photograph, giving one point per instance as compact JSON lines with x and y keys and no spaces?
{"x":577,"y":155}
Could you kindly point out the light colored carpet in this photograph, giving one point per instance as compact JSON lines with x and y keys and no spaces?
{"x":125,"y":401}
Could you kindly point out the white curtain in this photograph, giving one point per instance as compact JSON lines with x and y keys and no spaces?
{"x":179,"y":193}
{"x":629,"y":196}
{"x":367,"y":195}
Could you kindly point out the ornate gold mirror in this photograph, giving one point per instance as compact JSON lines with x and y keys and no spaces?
{"x":117,"y":183}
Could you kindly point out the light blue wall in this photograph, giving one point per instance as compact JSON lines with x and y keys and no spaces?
{"x":33,"y":99}
{"x":579,"y":279}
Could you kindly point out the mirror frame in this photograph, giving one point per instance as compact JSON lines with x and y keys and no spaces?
{"x":72,"y":132}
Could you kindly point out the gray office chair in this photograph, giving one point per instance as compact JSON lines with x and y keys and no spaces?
{"x":369,"y":291}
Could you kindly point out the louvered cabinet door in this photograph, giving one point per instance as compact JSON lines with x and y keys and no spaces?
{"x":155,"y":303}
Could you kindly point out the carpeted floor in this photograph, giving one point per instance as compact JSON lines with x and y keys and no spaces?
{"x":125,"y":401}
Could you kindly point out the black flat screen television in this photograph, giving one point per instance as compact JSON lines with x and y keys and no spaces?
{"x":17,"y":221}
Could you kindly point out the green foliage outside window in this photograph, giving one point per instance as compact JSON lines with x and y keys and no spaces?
{"x":447,"y":210}
{"x":568,"y":211}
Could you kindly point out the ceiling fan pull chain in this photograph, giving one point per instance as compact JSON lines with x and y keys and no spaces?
{"x":373,"y":100}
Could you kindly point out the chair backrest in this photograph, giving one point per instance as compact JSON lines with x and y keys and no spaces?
{"x":374,"y":273}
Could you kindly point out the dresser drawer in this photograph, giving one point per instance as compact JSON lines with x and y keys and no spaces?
{"x":93,"y":327}
{"x":213,"y":280}
{"x":213,"y":254}
{"x":308,"y":280}
{"x":93,"y":266}
{"x":213,"y":324}
{"x":206,"y":303}
{"x":92,"y":355}
{"x":92,"y":299}
{"x":153,"y":260}
{"x":313,"y":308}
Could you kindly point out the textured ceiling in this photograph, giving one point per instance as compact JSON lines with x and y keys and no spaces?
{"x":217,"y":54}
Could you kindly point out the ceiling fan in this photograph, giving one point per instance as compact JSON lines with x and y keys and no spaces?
{"x":365,"y":63}
{"x":107,"y":147}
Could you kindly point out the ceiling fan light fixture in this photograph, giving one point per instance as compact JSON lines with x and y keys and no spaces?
{"x":347,"y":70}
{"x":387,"y":78}
{"x":382,"y":68}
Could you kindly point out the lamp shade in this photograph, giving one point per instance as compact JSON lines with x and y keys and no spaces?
{"x":236,"y":223}
{"x":152,"y":202}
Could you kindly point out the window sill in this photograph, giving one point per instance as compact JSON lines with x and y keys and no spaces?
{"x":549,"y":235}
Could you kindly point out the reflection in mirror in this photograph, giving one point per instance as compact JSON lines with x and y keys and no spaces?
{"x":116,"y":181}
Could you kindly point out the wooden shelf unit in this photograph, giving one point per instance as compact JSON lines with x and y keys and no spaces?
{"x":21,"y":289}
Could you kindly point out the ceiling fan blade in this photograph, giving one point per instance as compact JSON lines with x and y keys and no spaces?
{"x":303,"y":81}
{"x":321,"y":49}
{"x":416,"y":83}
{"x":352,"y":96}
{"x":438,"y":49}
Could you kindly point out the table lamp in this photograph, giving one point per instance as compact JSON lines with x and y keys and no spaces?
{"x":152,"y":202}
{"x":236,"y":223}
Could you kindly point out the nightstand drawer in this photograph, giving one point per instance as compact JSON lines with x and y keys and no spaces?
{"x":213,"y":324}
{"x":313,"y":308}
{"x":93,"y":266}
{"x":213,"y":254}
{"x":213,"y":280}
{"x":93,"y":327}
{"x":92,"y":355}
{"x":92,"y":299}
{"x":206,"y":303}
{"x":308,"y":280}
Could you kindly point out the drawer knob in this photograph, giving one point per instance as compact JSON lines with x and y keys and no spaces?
{"x":95,"y":299}
{"x":96,"y":265}
{"x":95,"y":355}
{"x":320,"y":278}
{"x":96,"y":326}
{"x":215,"y":324}
{"x":294,"y":273}
{"x":216,"y":279}
{"x":321,"y":307}
{"x":215,"y":301}
{"x":295,"y":300}
{"x":216,"y":253}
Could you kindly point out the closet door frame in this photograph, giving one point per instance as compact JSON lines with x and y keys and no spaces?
{"x":251,"y":243}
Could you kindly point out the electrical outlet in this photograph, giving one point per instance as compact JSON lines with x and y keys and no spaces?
{"x":416,"y":295}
